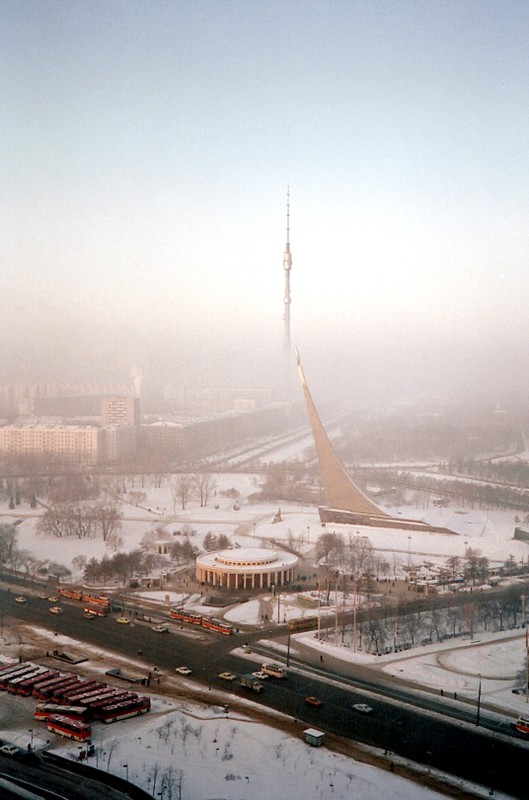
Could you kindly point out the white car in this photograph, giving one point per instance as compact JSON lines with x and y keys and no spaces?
{"x":161,"y":629}
{"x":261,"y":675}
{"x":183,"y":671}
{"x":363,"y":708}
{"x":10,"y":750}
{"x":21,"y":599}
{"x":55,"y":610}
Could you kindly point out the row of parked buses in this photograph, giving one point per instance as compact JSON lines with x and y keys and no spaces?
{"x":182,"y":615}
{"x":69,"y":703}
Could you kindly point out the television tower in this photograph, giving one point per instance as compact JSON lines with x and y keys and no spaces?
{"x":287,"y":266}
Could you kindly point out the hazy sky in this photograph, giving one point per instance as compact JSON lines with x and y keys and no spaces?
{"x":146,"y":149}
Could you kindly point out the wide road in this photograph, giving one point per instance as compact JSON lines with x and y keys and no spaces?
{"x":425,"y":734}
{"x":59,"y":783}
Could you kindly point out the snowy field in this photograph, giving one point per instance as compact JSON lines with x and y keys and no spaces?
{"x":195,"y":751}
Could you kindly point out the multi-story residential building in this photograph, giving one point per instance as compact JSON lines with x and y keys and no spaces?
{"x":68,"y":444}
{"x":121,"y":410}
{"x":164,"y":437}
{"x":119,"y":443}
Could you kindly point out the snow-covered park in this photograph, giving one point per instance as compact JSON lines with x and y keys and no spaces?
{"x":194,"y":751}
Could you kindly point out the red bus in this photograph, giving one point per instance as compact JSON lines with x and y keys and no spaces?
{"x":185,"y":616}
{"x":71,"y":594}
{"x":26,"y":687}
{"x":44,"y":690}
{"x":97,"y":610}
{"x":73,"y":697}
{"x":99,"y":694}
{"x":217,"y":625}
{"x":54,"y":675}
{"x":14,"y":684}
{"x":61,"y":688}
{"x":45,"y":710}
{"x":522,"y":725}
{"x":70,"y":728}
{"x":19,"y":669}
{"x":128,"y":708}
{"x":98,"y":599}
{"x":6,"y":667}
{"x":120,"y":697}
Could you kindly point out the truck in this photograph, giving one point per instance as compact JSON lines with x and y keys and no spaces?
{"x":251,"y":682}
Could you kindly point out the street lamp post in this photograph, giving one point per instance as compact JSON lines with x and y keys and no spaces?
{"x":126,"y":767}
{"x":479,"y":701}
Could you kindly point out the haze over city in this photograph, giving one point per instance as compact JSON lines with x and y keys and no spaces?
{"x":147,"y":149}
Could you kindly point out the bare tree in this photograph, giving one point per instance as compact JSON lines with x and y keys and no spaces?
{"x":181,"y":490}
{"x":204,"y":485}
{"x":108,"y":518}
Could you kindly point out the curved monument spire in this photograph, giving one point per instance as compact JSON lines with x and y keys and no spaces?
{"x":345,"y":502}
{"x":341,"y":493}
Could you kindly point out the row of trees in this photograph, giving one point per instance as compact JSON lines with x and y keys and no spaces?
{"x":355,"y":555}
{"x":474,"y":493}
{"x":407,"y":627}
{"x":81,"y":518}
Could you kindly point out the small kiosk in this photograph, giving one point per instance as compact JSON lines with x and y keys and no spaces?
{"x":313,"y":737}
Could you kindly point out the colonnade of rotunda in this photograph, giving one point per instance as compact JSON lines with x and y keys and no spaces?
{"x":246,"y":568}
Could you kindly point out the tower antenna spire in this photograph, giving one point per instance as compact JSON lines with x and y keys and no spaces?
{"x":287,"y":266}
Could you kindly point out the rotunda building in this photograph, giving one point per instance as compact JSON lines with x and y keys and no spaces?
{"x":246,"y":568}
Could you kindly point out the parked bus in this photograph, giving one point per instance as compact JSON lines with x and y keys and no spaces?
{"x":79,"y":687}
{"x":74,"y":697}
{"x":303,"y":623}
{"x":119,"y":697}
{"x":45,"y":710}
{"x":54,"y":675}
{"x":60,"y":689}
{"x":26,"y":687}
{"x":217,"y":625}
{"x":107,"y":694}
{"x":24,"y":669}
{"x":41,"y":691}
{"x":70,"y":728}
{"x":128,"y":708}
{"x":14,"y":683}
{"x":14,"y":672}
{"x":276,"y":670}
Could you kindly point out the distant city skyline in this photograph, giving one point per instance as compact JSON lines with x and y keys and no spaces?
{"x":147,"y":148}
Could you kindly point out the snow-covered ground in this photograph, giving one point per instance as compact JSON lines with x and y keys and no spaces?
{"x":202,"y":753}
{"x":197,"y":750}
